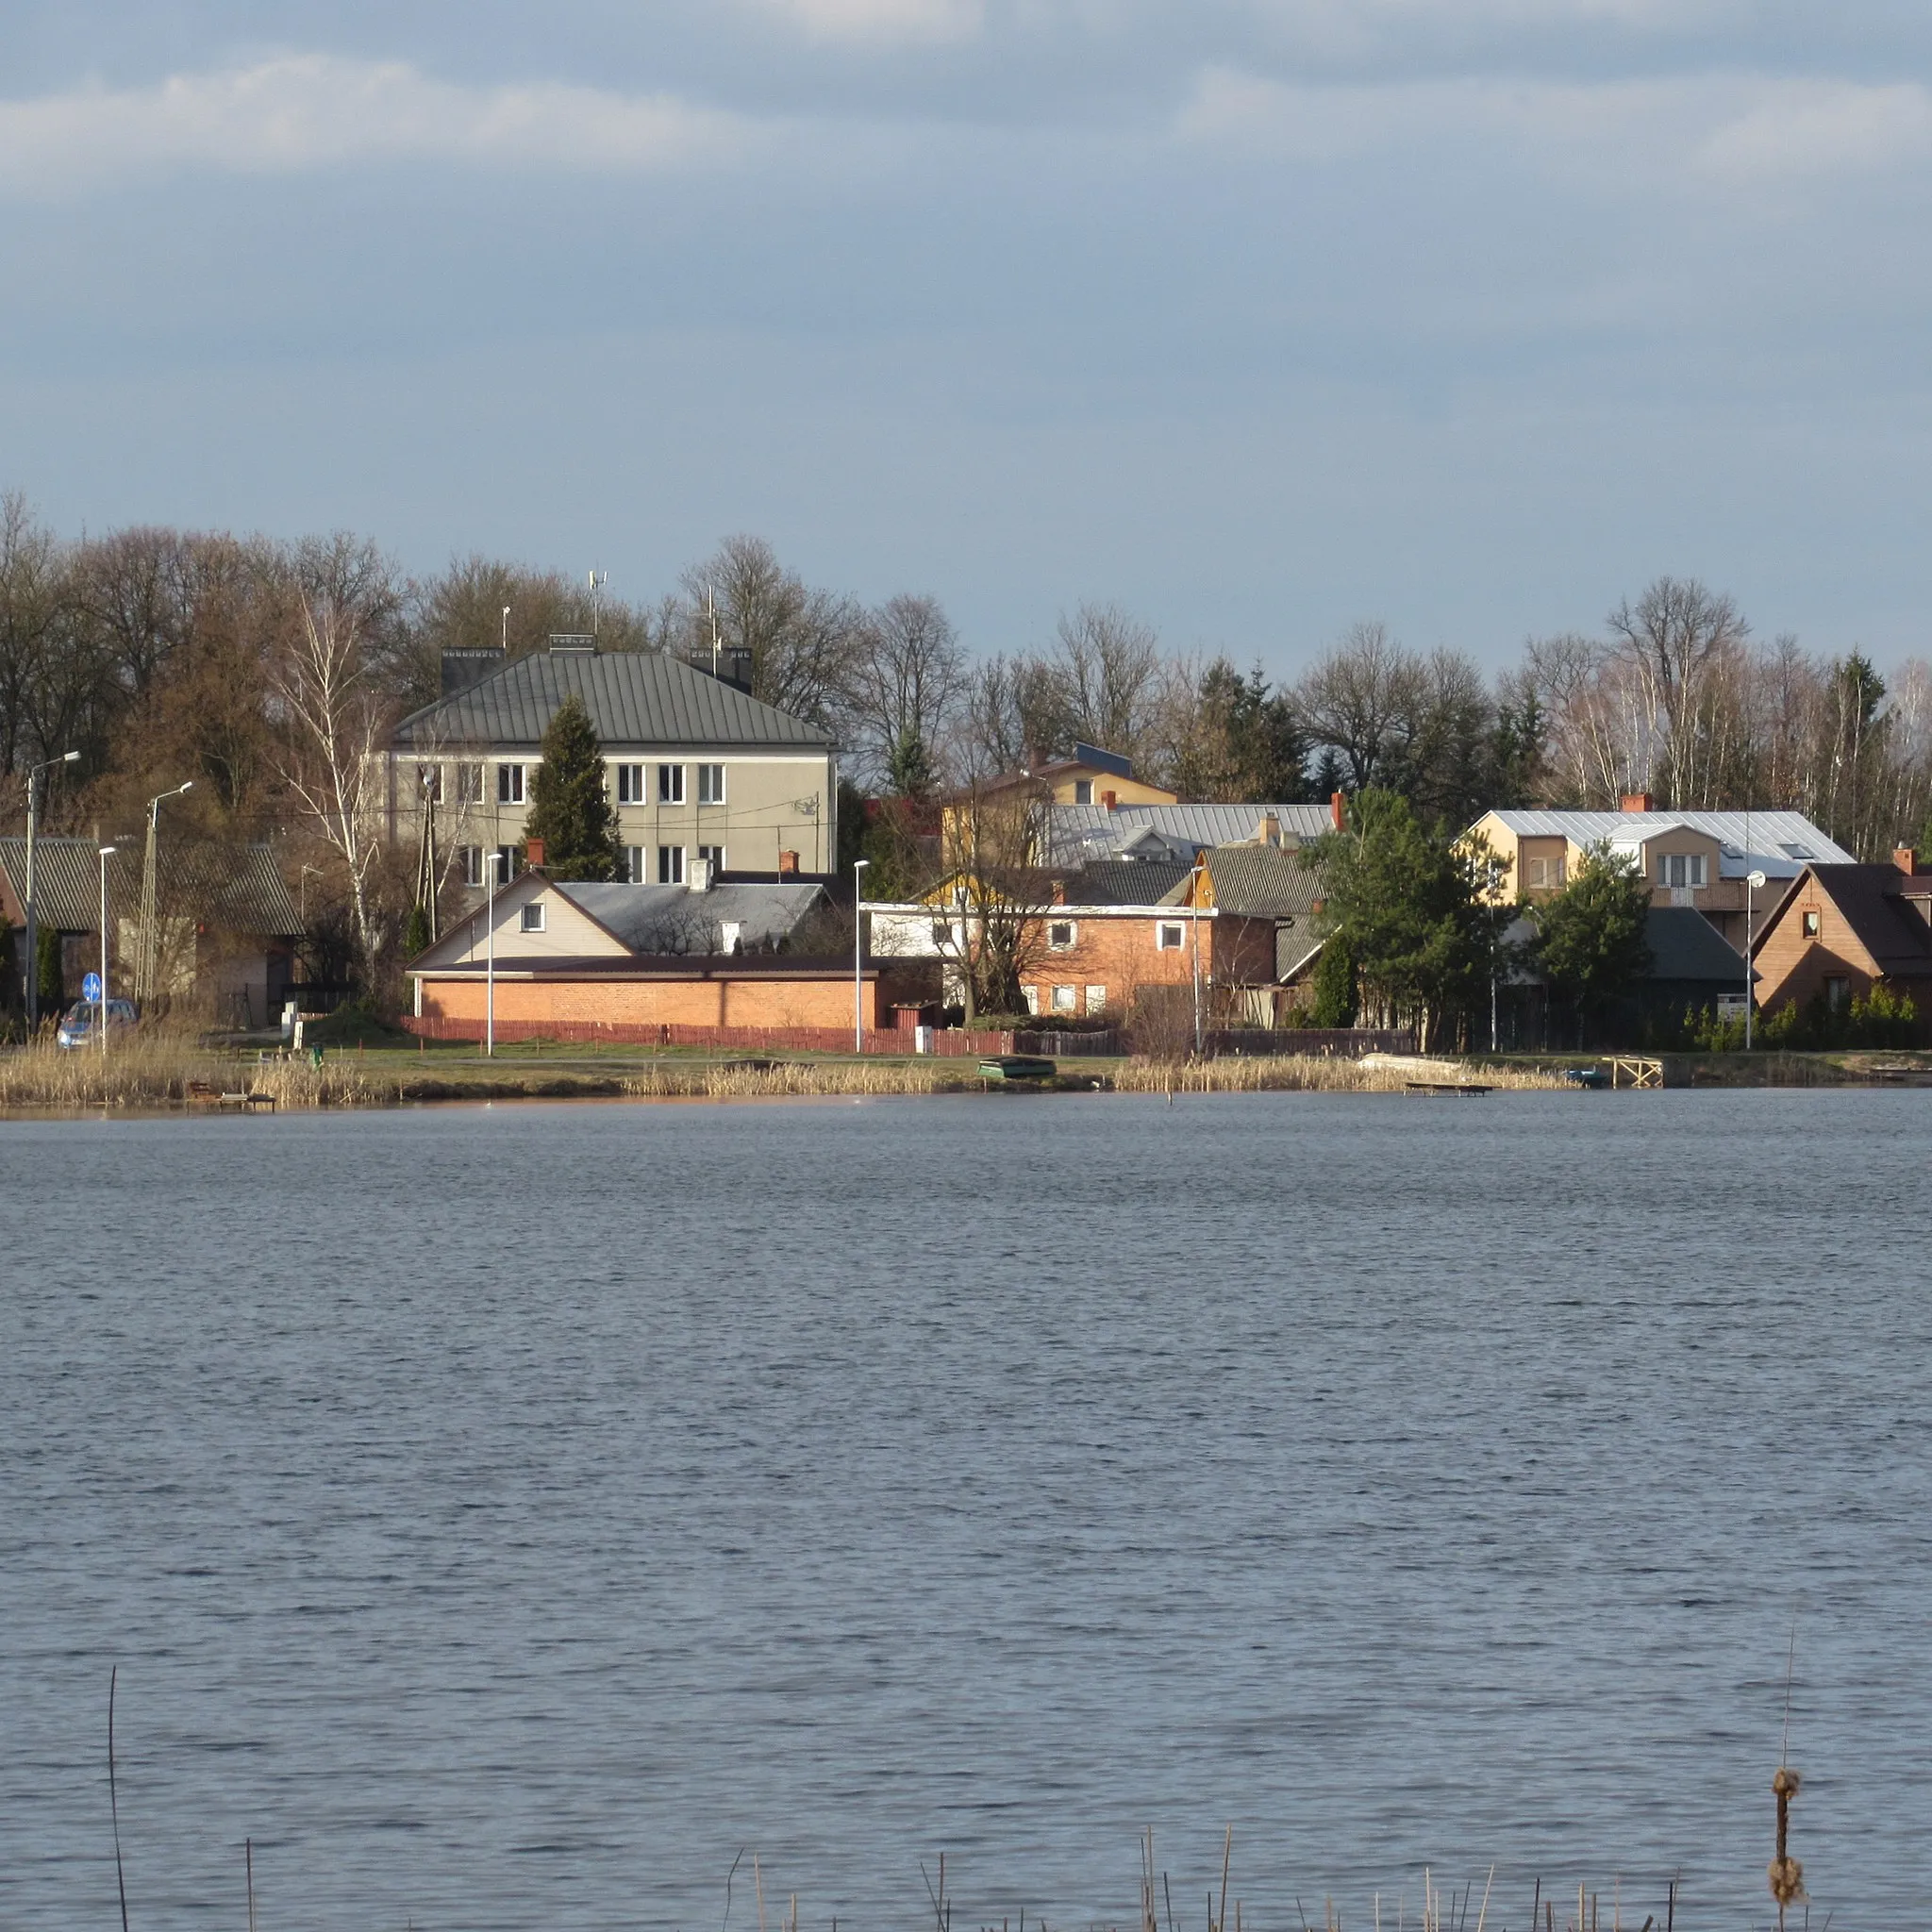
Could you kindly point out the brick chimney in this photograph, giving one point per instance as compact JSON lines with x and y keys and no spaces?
{"x":1637,"y":801}
{"x":1268,"y":831}
{"x":1111,"y":800}
{"x":533,"y":852}
{"x":1906,"y":858}
{"x":1338,"y":809}
{"x":788,"y":865}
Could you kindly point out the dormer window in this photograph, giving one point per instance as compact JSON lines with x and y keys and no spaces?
{"x":1681,"y":869}
{"x":1083,"y":791}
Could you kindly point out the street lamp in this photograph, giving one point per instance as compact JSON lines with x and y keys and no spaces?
{"x":859,"y":866}
{"x":1754,"y":881}
{"x":145,"y":975}
{"x":490,"y":961}
{"x":1194,"y":916}
{"x":101,"y":1008}
{"x":33,"y":959}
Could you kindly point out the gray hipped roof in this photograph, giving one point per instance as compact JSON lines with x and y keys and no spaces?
{"x":237,"y":888}
{"x":640,"y":699}
{"x":1097,"y":831}
{"x":674,"y":919}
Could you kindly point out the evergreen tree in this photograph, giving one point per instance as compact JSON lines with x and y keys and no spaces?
{"x":51,"y":990}
{"x":1334,"y":985}
{"x":1408,"y":905}
{"x":415,"y":932}
{"x":569,"y":802}
{"x":1592,"y":941}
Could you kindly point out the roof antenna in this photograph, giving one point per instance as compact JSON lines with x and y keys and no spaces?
{"x":598,"y":579}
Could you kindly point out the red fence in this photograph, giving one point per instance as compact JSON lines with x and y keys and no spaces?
{"x":950,"y":1043}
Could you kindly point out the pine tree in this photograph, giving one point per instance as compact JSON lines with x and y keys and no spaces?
{"x":570,"y":802}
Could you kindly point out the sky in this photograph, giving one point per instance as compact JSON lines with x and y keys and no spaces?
{"x":1255,"y":317}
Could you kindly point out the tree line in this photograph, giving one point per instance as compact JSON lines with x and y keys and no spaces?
{"x":161,"y":654}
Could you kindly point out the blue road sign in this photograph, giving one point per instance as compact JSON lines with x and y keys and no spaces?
{"x":91,"y":989}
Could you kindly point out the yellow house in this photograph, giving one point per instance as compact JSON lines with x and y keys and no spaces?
{"x":1696,"y":859}
{"x":1003,"y":820}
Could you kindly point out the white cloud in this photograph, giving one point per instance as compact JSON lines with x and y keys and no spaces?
{"x":307,"y":111}
{"x":884,"y":20}
{"x":1728,"y":129}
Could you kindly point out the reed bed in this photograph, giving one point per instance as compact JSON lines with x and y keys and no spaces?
{"x":1311,"y":1074}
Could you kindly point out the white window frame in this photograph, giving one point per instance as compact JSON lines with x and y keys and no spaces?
{"x":509,"y":784}
{"x":630,"y":784}
{"x":1170,"y":936}
{"x":473,"y":865}
{"x":1070,"y":927}
{"x":1096,"y":999}
{"x":507,"y":869}
{"x":670,"y":784}
{"x":469,"y":782}
{"x":711,"y":784}
{"x":714,"y":857}
{"x":531,"y":917}
{"x":1083,"y":791}
{"x":634,"y":865}
{"x":1065,"y":999}
{"x":671,"y":865}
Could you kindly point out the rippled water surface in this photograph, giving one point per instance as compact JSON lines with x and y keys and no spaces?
{"x":505,"y":1517}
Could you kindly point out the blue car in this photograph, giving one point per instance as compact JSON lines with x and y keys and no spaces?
{"x":77,"y":1027}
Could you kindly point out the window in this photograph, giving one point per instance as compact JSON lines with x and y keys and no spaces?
{"x":429,"y":783}
{"x":533,"y":916}
{"x":509,"y":784}
{"x":670,"y":858}
{"x":634,"y":864}
{"x":1169,"y":935}
{"x":1096,"y":999}
{"x":713,"y":856}
{"x":941,"y":933}
{"x":1538,"y":870}
{"x":505,"y":864}
{"x":469,"y":784}
{"x":1063,"y":999}
{"x":1837,"y":993}
{"x":1811,"y":925}
{"x":631,"y":785}
{"x":1061,"y":934}
{"x":1032,"y":994}
{"x":670,"y":784}
{"x":1083,"y":791}
{"x":711,"y":784}
{"x":1681,"y":869}
{"x":473,"y":865}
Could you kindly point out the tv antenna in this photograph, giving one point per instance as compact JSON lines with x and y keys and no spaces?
{"x":598,"y":579}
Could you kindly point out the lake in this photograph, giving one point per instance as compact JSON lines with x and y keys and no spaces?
{"x":508,"y":1517}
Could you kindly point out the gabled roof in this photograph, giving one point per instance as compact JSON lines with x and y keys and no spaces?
{"x":1685,"y":947}
{"x":637,"y":700}
{"x":1259,"y":882}
{"x":1778,"y":844}
{"x":1076,"y":831}
{"x":235,"y":888}
{"x":1124,"y":882}
{"x":1879,"y":904}
{"x":661,"y":918}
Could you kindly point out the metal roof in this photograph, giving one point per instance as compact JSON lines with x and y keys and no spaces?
{"x":1262,"y":882}
{"x":237,"y":888}
{"x":1077,"y":831}
{"x":1125,"y":881}
{"x":1778,"y":844}
{"x":637,"y":700}
{"x":674,"y":919}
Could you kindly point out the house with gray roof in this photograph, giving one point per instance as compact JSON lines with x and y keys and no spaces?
{"x":699,"y":770}
{"x":1074,"y":834}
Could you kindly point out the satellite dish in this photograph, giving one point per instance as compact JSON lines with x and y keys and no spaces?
{"x":1756,"y":881}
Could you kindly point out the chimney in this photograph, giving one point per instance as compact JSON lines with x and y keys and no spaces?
{"x":788,"y":865}
{"x":697,"y":875}
{"x":1111,"y":800}
{"x":1268,"y":832}
{"x":1637,"y":801}
{"x":1906,"y":858}
{"x":1338,"y":809}
{"x":533,"y":852}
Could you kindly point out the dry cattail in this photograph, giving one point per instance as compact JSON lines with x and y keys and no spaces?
{"x":1787,"y":1875}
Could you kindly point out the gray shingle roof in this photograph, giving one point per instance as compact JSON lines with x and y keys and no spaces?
{"x":1262,"y":882}
{"x":238,"y":889}
{"x":674,"y":919}
{"x":637,"y":700}
{"x":1686,"y":947}
{"x":1123,"y":882}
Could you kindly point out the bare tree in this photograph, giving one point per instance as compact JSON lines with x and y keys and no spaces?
{"x":331,"y":759}
{"x":32,"y":590}
{"x":1108,"y":668}
{"x":908,"y":676}
{"x":1361,"y":700}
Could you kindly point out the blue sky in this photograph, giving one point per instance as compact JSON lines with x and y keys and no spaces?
{"x":1255,"y":316}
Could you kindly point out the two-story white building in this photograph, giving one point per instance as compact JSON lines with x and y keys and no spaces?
{"x":698,"y":769}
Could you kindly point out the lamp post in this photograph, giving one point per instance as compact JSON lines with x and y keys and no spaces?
{"x":144,"y":971}
{"x":1194,"y":914}
{"x":859,"y":866}
{"x":101,"y":1009}
{"x":490,"y":961}
{"x":1752,"y":880}
{"x":33,"y":951}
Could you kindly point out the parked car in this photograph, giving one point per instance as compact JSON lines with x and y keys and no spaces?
{"x":77,"y":1027}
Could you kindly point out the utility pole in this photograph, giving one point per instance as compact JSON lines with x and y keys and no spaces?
{"x":33,"y":949}
{"x":101,"y":1009}
{"x":145,"y":968}
{"x":1194,"y":913}
{"x":859,"y":866}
